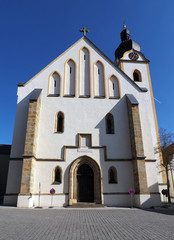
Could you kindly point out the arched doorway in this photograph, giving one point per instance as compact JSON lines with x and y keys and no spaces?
{"x":85,"y":184}
{"x":84,"y":170}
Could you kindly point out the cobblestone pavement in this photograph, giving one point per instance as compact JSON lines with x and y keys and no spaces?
{"x":75,"y":224}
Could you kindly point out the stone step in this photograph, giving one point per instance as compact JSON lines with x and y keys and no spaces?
{"x":85,"y":205}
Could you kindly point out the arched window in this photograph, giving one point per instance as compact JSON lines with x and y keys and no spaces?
{"x":112,"y":175}
{"x":109,"y":123}
{"x":70,"y":75}
{"x":137,"y":76}
{"x":59,"y":125}
{"x":54,"y":84}
{"x":57,"y":175}
{"x":99,"y":86}
{"x":84,"y":73}
{"x":114,"y":91}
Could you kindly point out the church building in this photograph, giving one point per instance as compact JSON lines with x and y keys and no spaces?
{"x":86,"y":127}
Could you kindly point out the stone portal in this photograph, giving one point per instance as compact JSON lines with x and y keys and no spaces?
{"x":84,"y":181}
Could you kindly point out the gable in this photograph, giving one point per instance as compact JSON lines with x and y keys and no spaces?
{"x":140,"y":56}
{"x":73,"y":55}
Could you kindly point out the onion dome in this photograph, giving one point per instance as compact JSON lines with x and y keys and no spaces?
{"x":126,"y":44}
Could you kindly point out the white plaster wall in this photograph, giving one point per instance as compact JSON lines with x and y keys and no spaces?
{"x":152,"y":180}
{"x":124,"y":177}
{"x":117,"y":200}
{"x":17,"y":149}
{"x":14,"y":177}
{"x":44,"y":172}
{"x":83,"y":116}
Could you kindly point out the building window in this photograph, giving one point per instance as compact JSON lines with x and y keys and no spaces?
{"x":114,"y":89}
{"x":57,"y":175}
{"x":137,"y":76}
{"x":59,"y":126}
{"x":69,"y":81}
{"x":112,"y":175}
{"x":109,"y":123}
{"x":99,"y":80}
{"x":54,"y":84}
{"x":84,"y":78}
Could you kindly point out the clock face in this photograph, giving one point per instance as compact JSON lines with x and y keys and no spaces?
{"x":133,"y":56}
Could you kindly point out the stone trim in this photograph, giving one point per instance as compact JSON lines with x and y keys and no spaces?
{"x":62,"y":160}
{"x":139,"y":170}
{"x":150,"y":160}
{"x":73,"y":179}
{"x":30,"y":145}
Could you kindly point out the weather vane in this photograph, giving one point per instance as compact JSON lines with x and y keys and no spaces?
{"x":124,"y":25}
{"x":84,"y":30}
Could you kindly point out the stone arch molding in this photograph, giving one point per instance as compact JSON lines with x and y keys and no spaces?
{"x":73,"y":179}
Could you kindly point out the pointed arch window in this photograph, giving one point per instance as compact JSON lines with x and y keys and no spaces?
{"x":59,"y":125}
{"x":84,"y":86}
{"x":70,"y":75}
{"x":112,"y":175}
{"x":54,"y":84}
{"x":57,"y":175}
{"x":114,"y":89}
{"x":109,"y":123}
{"x":99,"y":80}
{"x":137,"y":76}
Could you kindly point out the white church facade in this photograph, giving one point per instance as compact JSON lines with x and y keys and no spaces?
{"x":86,"y":126}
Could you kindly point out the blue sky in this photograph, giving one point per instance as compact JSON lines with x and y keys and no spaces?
{"x":33,"y":33}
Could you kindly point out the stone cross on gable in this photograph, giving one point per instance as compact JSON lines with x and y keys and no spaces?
{"x":84,"y":30}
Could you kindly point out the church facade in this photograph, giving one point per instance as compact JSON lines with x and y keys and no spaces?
{"x":86,"y":126}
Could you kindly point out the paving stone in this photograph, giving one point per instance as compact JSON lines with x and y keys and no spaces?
{"x":87,"y":224}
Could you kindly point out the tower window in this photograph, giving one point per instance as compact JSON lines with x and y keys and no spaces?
{"x":70,"y":70}
{"x":98,"y":71}
{"x":84,"y":57}
{"x":137,"y":76}
{"x":55,"y":83}
{"x":113,"y":86}
{"x":109,"y":123}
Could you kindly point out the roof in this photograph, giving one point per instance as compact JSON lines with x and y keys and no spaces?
{"x":35,"y":94}
{"x":171,"y":148}
{"x":132,"y":99}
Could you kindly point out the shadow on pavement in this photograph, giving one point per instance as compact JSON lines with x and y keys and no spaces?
{"x":165,"y":209}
